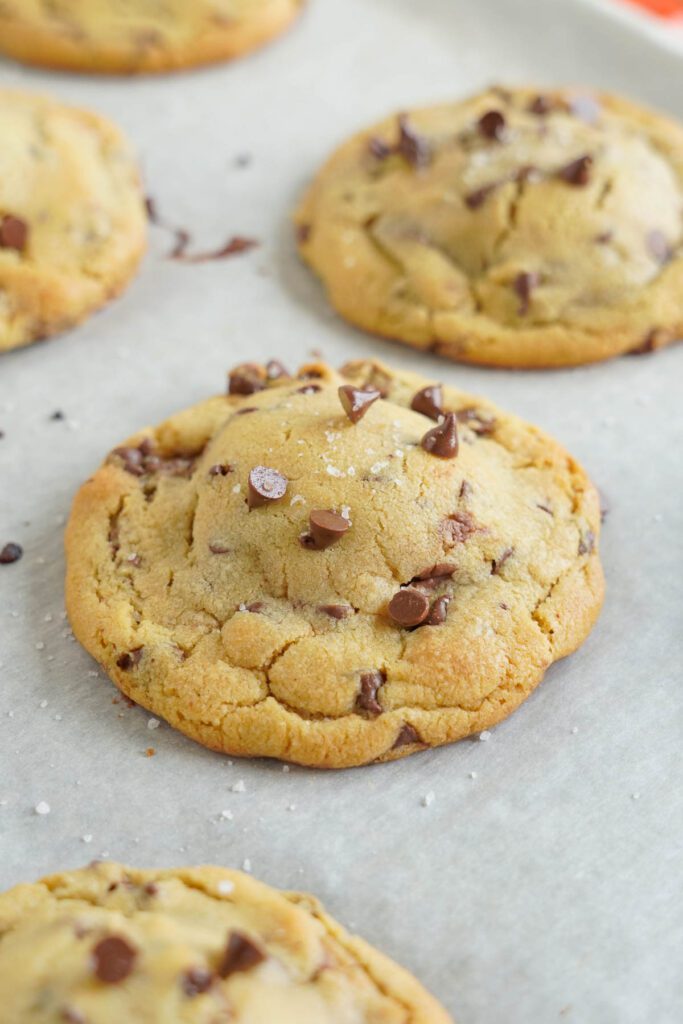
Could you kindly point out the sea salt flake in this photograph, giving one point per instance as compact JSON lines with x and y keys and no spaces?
{"x":238,"y":787}
{"x":153,"y":723}
{"x":225,"y":887}
{"x":42,"y":808}
{"x":428,"y":799}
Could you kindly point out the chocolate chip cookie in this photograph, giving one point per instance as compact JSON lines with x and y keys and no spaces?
{"x":518,"y":228}
{"x":111,"y":37}
{"x":73,"y":225}
{"x":334,"y":569}
{"x":108,"y":945}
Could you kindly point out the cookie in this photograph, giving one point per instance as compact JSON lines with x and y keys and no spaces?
{"x":333,"y":569}
{"x":73,"y":225}
{"x":106,"y":36}
{"x":109,"y":944}
{"x":516,"y":228}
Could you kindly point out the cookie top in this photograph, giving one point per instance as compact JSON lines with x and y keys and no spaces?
{"x":332,"y":577}
{"x":516,"y":228}
{"x":72,"y":217}
{"x":108,"y":36}
{"x":110,"y":944}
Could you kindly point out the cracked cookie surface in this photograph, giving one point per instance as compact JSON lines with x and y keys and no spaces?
{"x":515,"y":228}
{"x":276,"y":579}
{"x":73,"y":225}
{"x":108,"y":944}
{"x":110,"y":36}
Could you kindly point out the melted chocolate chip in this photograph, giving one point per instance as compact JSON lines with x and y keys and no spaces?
{"x":308,"y":389}
{"x":11,"y":553}
{"x":13,"y":233}
{"x":221,"y":469}
{"x":275,"y":370}
{"x":409,"y":607}
{"x":255,"y":607}
{"x":246,"y":379}
{"x":577,"y":172}
{"x":196,"y":981}
{"x":477,"y":198}
{"x":411,"y":146}
{"x":587,"y":543}
{"x":241,"y":954}
{"x":541,"y":105}
{"x":130,"y":659}
{"x":477,"y":421}
{"x":336,"y":611}
{"x":658,"y":245}
{"x":370,"y":682}
{"x":144,"y":459}
{"x":440,"y":571}
{"x":438,"y":611}
{"x":458,"y":528}
{"x":265,"y":485}
{"x":429,"y":401}
{"x":113,"y":959}
{"x":356,"y":401}
{"x":378,"y":148}
{"x":492,"y":125}
{"x":442,"y":440}
{"x":406,"y":737}
{"x":216,"y":547}
{"x":326,"y":527}
{"x":524,"y":285}
{"x":498,"y":563}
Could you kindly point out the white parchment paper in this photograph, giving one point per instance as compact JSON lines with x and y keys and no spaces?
{"x":541,"y":884}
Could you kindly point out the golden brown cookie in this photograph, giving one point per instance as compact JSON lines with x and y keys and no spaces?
{"x":515,"y":228}
{"x":73,"y":226}
{"x":130,"y":36}
{"x":113,"y":945}
{"x":334,"y":570}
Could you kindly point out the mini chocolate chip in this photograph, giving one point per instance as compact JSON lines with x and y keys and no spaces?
{"x":326,"y":527}
{"x":275,"y":370}
{"x":356,"y":401}
{"x":498,"y":563}
{"x":587,"y":543}
{"x":218,"y":548}
{"x":151,"y":889}
{"x":13,"y":233}
{"x":442,"y":440}
{"x":378,"y":148}
{"x":605,"y":237}
{"x":303,"y":233}
{"x":255,"y":607}
{"x":492,"y":125}
{"x":70,"y":1015}
{"x":541,"y":105}
{"x":477,"y":198}
{"x":308,"y":389}
{"x":370,"y":682}
{"x":11,"y":553}
{"x":130,"y":659}
{"x":411,"y":146}
{"x":524,"y":285}
{"x":246,"y":411}
{"x":440,"y":571}
{"x":409,"y":607}
{"x":438,"y":611}
{"x":246,"y":379}
{"x":113,"y":959}
{"x":221,"y":469}
{"x":406,"y":737}
{"x":336,"y":611}
{"x":429,"y":401}
{"x":241,"y":954}
{"x":196,"y":981}
{"x":658,"y":244}
{"x":458,"y":528}
{"x":577,"y":172}
{"x":265,"y":485}
{"x":586,"y":108}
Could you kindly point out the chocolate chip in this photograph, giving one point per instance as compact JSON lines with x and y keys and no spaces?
{"x":477,"y":198}
{"x":216,"y":547}
{"x":577,"y":172}
{"x":406,"y":737}
{"x":477,"y":421}
{"x":587,"y":543}
{"x":545,"y":508}
{"x":605,"y":237}
{"x":411,"y":146}
{"x":143,"y":460}
{"x":113,"y":959}
{"x":57,"y":415}
{"x":648,"y":344}
{"x":378,"y":148}
{"x":409,"y":607}
{"x":275,"y":370}
{"x":541,"y":105}
{"x":241,"y":954}
{"x":70,"y":1015}
{"x":308,"y":389}
{"x":326,"y":527}
{"x":336,"y":611}
{"x":440,"y":571}
{"x":303,"y":233}
{"x":356,"y":401}
{"x":246,"y":379}
{"x":586,"y":108}
{"x":465,"y":489}
{"x":255,"y":607}
{"x":265,"y":485}
{"x":458,"y":528}
{"x":221,"y":469}
{"x":659,"y":247}
{"x":13,"y":233}
{"x":429,"y":401}
{"x":11,"y":553}
{"x":236,"y":244}
{"x":130,"y":659}
{"x":524,"y":285}
{"x":442,"y":440}
{"x":151,"y":889}
{"x":492,"y":125}
{"x":370,"y":682}
{"x":196,"y":981}
{"x":498,"y":563}
{"x":438,"y":611}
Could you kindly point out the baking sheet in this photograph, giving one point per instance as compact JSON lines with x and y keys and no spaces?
{"x":540,"y":884}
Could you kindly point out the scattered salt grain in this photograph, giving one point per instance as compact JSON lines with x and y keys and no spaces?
{"x":238,"y":787}
{"x":484,"y":736}
{"x":42,"y":808}
{"x":225,"y":887}
{"x":228,"y":815}
{"x":428,"y":799}
{"x":153,"y":723}
{"x":86,"y":838}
